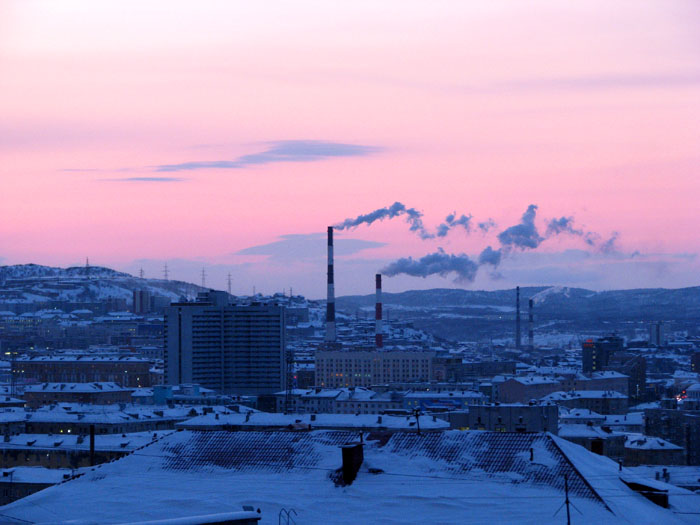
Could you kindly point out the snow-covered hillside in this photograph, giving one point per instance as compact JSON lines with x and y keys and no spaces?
{"x":32,"y":283}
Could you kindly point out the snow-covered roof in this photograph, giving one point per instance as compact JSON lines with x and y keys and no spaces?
{"x":83,"y":388}
{"x":87,"y":358}
{"x":457,"y":394}
{"x":579,"y":414}
{"x":450,"y":477}
{"x":640,"y":442}
{"x":584,"y":394}
{"x":265,"y":420}
{"x":608,"y":374}
{"x":65,"y":441}
{"x":575,"y":430}
{"x":35,"y":475}
{"x":535,"y":380}
{"x":631,"y":418}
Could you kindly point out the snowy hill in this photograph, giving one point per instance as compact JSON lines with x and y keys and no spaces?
{"x":472,"y":315}
{"x":32,"y":283}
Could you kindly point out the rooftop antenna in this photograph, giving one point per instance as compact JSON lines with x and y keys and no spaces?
{"x":204,"y":278}
{"x":165,"y":271}
{"x":330,"y":300}
{"x":228,"y":282}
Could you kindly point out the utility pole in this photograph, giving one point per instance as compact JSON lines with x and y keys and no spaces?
{"x":566,"y":501}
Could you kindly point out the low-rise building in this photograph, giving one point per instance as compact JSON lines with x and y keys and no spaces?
{"x":264,"y":421}
{"x":523,"y":389}
{"x":69,"y":451}
{"x":514,"y":418}
{"x":680,"y":427}
{"x":19,"y":482}
{"x":599,"y":440}
{"x":130,"y":372}
{"x":647,"y":450}
{"x":442,"y":401}
{"x":107,"y":419}
{"x":103,"y":393}
{"x":600,"y":401}
{"x":346,"y":368}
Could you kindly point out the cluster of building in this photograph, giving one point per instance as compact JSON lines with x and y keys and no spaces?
{"x":219,"y":365}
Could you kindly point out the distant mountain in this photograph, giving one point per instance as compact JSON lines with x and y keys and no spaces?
{"x":656,"y":303}
{"x":467,"y":314}
{"x":33,"y":283}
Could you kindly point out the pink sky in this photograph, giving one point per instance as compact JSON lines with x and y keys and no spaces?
{"x":588,"y":109}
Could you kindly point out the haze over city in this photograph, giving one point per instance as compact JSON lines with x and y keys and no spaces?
{"x":229,"y":137}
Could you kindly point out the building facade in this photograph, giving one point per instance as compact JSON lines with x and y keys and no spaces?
{"x":347,"y":368}
{"x":514,"y":418}
{"x":132,"y":372}
{"x":228,"y":348}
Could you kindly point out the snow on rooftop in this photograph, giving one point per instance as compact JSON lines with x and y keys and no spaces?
{"x":77,"y":387}
{"x":584,"y":394}
{"x":35,"y":475}
{"x":305,"y":421}
{"x":576,"y":430}
{"x":641,"y":442}
{"x":450,"y":477}
{"x":64,"y":441}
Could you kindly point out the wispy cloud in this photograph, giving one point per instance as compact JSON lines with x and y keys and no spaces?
{"x":279,"y":151}
{"x":307,"y":246}
{"x":146,"y":179}
{"x":611,"y":81}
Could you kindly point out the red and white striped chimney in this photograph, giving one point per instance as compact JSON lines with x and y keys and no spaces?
{"x":330,"y":303}
{"x":378,"y":336}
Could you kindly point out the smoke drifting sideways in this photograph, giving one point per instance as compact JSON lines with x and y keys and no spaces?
{"x":413,"y":217}
{"x":521,"y":236}
{"x":438,"y":263}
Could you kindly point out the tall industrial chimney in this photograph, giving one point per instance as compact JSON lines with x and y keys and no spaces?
{"x":530,"y":325}
{"x":378,"y":338}
{"x":518,"y":342}
{"x":330,"y":305}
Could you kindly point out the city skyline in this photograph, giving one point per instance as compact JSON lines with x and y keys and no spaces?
{"x":230,"y":138}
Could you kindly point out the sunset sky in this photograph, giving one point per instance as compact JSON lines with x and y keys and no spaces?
{"x":227,"y":136}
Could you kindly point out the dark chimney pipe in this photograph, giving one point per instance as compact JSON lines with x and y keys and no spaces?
{"x":518,"y":342}
{"x":353,"y":457}
{"x":330,"y":304}
{"x":531,"y":325}
{"x":378,"y":337}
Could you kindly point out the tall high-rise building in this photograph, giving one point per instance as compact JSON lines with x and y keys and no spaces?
{"x":657,"y":336}
{"x":229,"y":348}
{"x":141,"y":302}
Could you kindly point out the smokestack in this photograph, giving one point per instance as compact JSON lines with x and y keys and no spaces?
{"x":518,"y":342}
{"x":530,"y":325}
{"x":378,"y":338}
{"x":330,"y":305}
